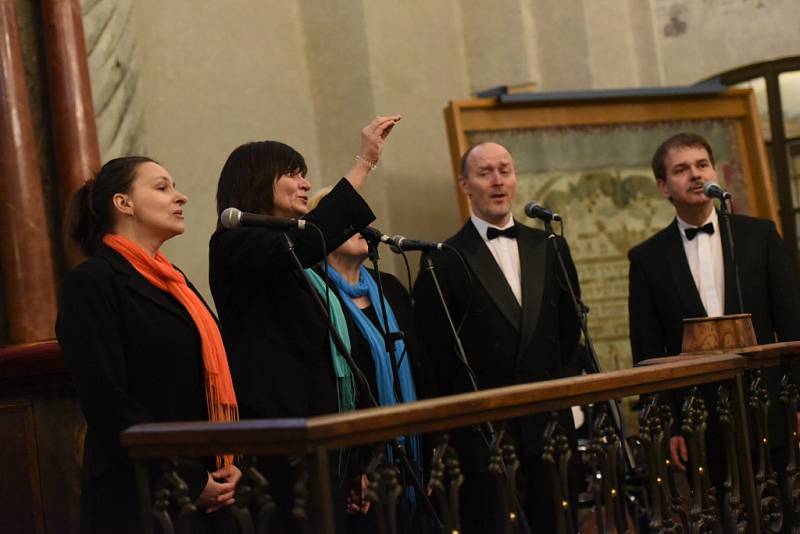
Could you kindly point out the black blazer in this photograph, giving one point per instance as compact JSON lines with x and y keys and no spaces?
{"x":662,"y":293}
{"x":505,"y":343}
{"x":134,"y":355}
{"x":277,"y":341}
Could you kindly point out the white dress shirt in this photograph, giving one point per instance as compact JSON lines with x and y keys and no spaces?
{"x":505,"y":252}
{"x":706,"y":262}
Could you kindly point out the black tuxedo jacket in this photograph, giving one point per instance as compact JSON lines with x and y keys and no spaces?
{"x":277,"y":341}
{"x":662,"y":291}
{"x":505,"y":343}
{"x":134,"y":355}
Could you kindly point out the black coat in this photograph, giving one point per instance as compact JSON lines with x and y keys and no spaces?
{"x":134,"y":355}
{"x":506,"y":343}
{"x":276,"y":338}
{"x":662,"y":293}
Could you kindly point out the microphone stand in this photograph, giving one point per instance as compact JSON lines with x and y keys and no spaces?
{"x":582,"y":311}
{"x":389,"y":338}
{"x":462,"y":355}
{"x":725,"y":212}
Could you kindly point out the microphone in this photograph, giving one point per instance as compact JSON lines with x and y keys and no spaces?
{"x":398,"y":241}
{"x":413,"y":244}
{"x":234,"y":218}
{"x":374,"y":235}
{"x":537,"y":211}
{"x":713,"y":190}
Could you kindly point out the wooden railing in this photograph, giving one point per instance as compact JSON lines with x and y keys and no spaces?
{"x":755,"y":503}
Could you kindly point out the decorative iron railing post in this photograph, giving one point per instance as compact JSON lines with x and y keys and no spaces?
{"x":252,"y":493}
{"x":505,"y":479}
{"x":556,"y":455}
{"x":703,"y":515}
{"x":384,"y":489}
{"x":791,"y":485}
{"x":767,"y":488}
{"x":734,"y":518}
{"x":607,"y":449}
{"x":653,"y":436}
{"x":445,"y":483}
{"x":742,"y":439}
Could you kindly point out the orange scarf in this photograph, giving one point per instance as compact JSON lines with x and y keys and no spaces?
{"x":220,"y":396}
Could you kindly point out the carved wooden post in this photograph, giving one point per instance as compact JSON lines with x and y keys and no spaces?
{"x":25,"y":248}
{"x":74,"y":130}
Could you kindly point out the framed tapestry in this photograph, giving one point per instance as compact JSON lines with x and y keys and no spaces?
{"x":589,"y":160}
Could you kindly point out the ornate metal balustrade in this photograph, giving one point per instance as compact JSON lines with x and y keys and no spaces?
{"x":754,"y":494}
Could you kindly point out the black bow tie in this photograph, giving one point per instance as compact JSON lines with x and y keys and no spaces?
{"x":511,"y":232}
{"x":692,"y":232}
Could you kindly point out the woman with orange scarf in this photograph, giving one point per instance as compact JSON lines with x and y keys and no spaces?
{"x":140,"y":343}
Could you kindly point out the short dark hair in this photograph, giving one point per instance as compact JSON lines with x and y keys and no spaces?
{"x":463,"y":164}
{"x":680,"y":140}
{"x":249,"y":173}
{"x":91,"y":214}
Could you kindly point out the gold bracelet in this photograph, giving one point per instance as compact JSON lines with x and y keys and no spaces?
{"x":372,"y":165}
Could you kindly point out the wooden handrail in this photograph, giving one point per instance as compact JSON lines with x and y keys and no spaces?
{"x":31,"y":359}
{"x":273,"y":436}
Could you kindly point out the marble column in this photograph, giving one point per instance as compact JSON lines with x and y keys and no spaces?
{"x":25,"y":249}
{"x":74,"y":130}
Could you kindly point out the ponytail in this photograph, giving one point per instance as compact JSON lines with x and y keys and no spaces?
{"x":90,"y":215}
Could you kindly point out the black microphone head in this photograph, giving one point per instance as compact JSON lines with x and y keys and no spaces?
{"x":371,"y":234}
{"x":531,"y":209}
{"x":714,"y":190}
{"x":230,"y":218}
{"x":535,"y":210}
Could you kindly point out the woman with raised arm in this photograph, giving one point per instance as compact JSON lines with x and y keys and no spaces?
{"x":283,"y":360}
{"x":140,"y":343}
{"x":277,"y":339}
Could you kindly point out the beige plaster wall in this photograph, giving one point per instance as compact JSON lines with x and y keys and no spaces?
{"x":215,"y":74}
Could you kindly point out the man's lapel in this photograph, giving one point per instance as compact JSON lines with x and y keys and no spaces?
{"x":681,"y":273}
{"x":488,"y":273}
{"x":532,"y":263}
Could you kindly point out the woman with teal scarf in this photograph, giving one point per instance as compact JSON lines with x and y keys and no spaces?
{"x":357,"y":290}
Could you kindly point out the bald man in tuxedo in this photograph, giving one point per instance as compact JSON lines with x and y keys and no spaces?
{"x":519,"y":326}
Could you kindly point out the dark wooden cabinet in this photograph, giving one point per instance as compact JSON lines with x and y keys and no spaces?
{"x":41,"y":442}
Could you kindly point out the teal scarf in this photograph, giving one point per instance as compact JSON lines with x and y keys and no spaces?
{"x":345,"y":383}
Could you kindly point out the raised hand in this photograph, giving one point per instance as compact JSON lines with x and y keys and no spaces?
{"x":373,"y":137}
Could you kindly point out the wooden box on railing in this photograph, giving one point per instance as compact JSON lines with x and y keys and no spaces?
{"x":724,"y":333}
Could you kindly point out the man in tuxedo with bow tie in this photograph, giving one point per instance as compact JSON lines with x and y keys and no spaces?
{"x":681,"y":272}
{"x":517,"y":325}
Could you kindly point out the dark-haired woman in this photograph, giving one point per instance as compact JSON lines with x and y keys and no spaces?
{"x":139,"y":342}
{"x":277,"y":340}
